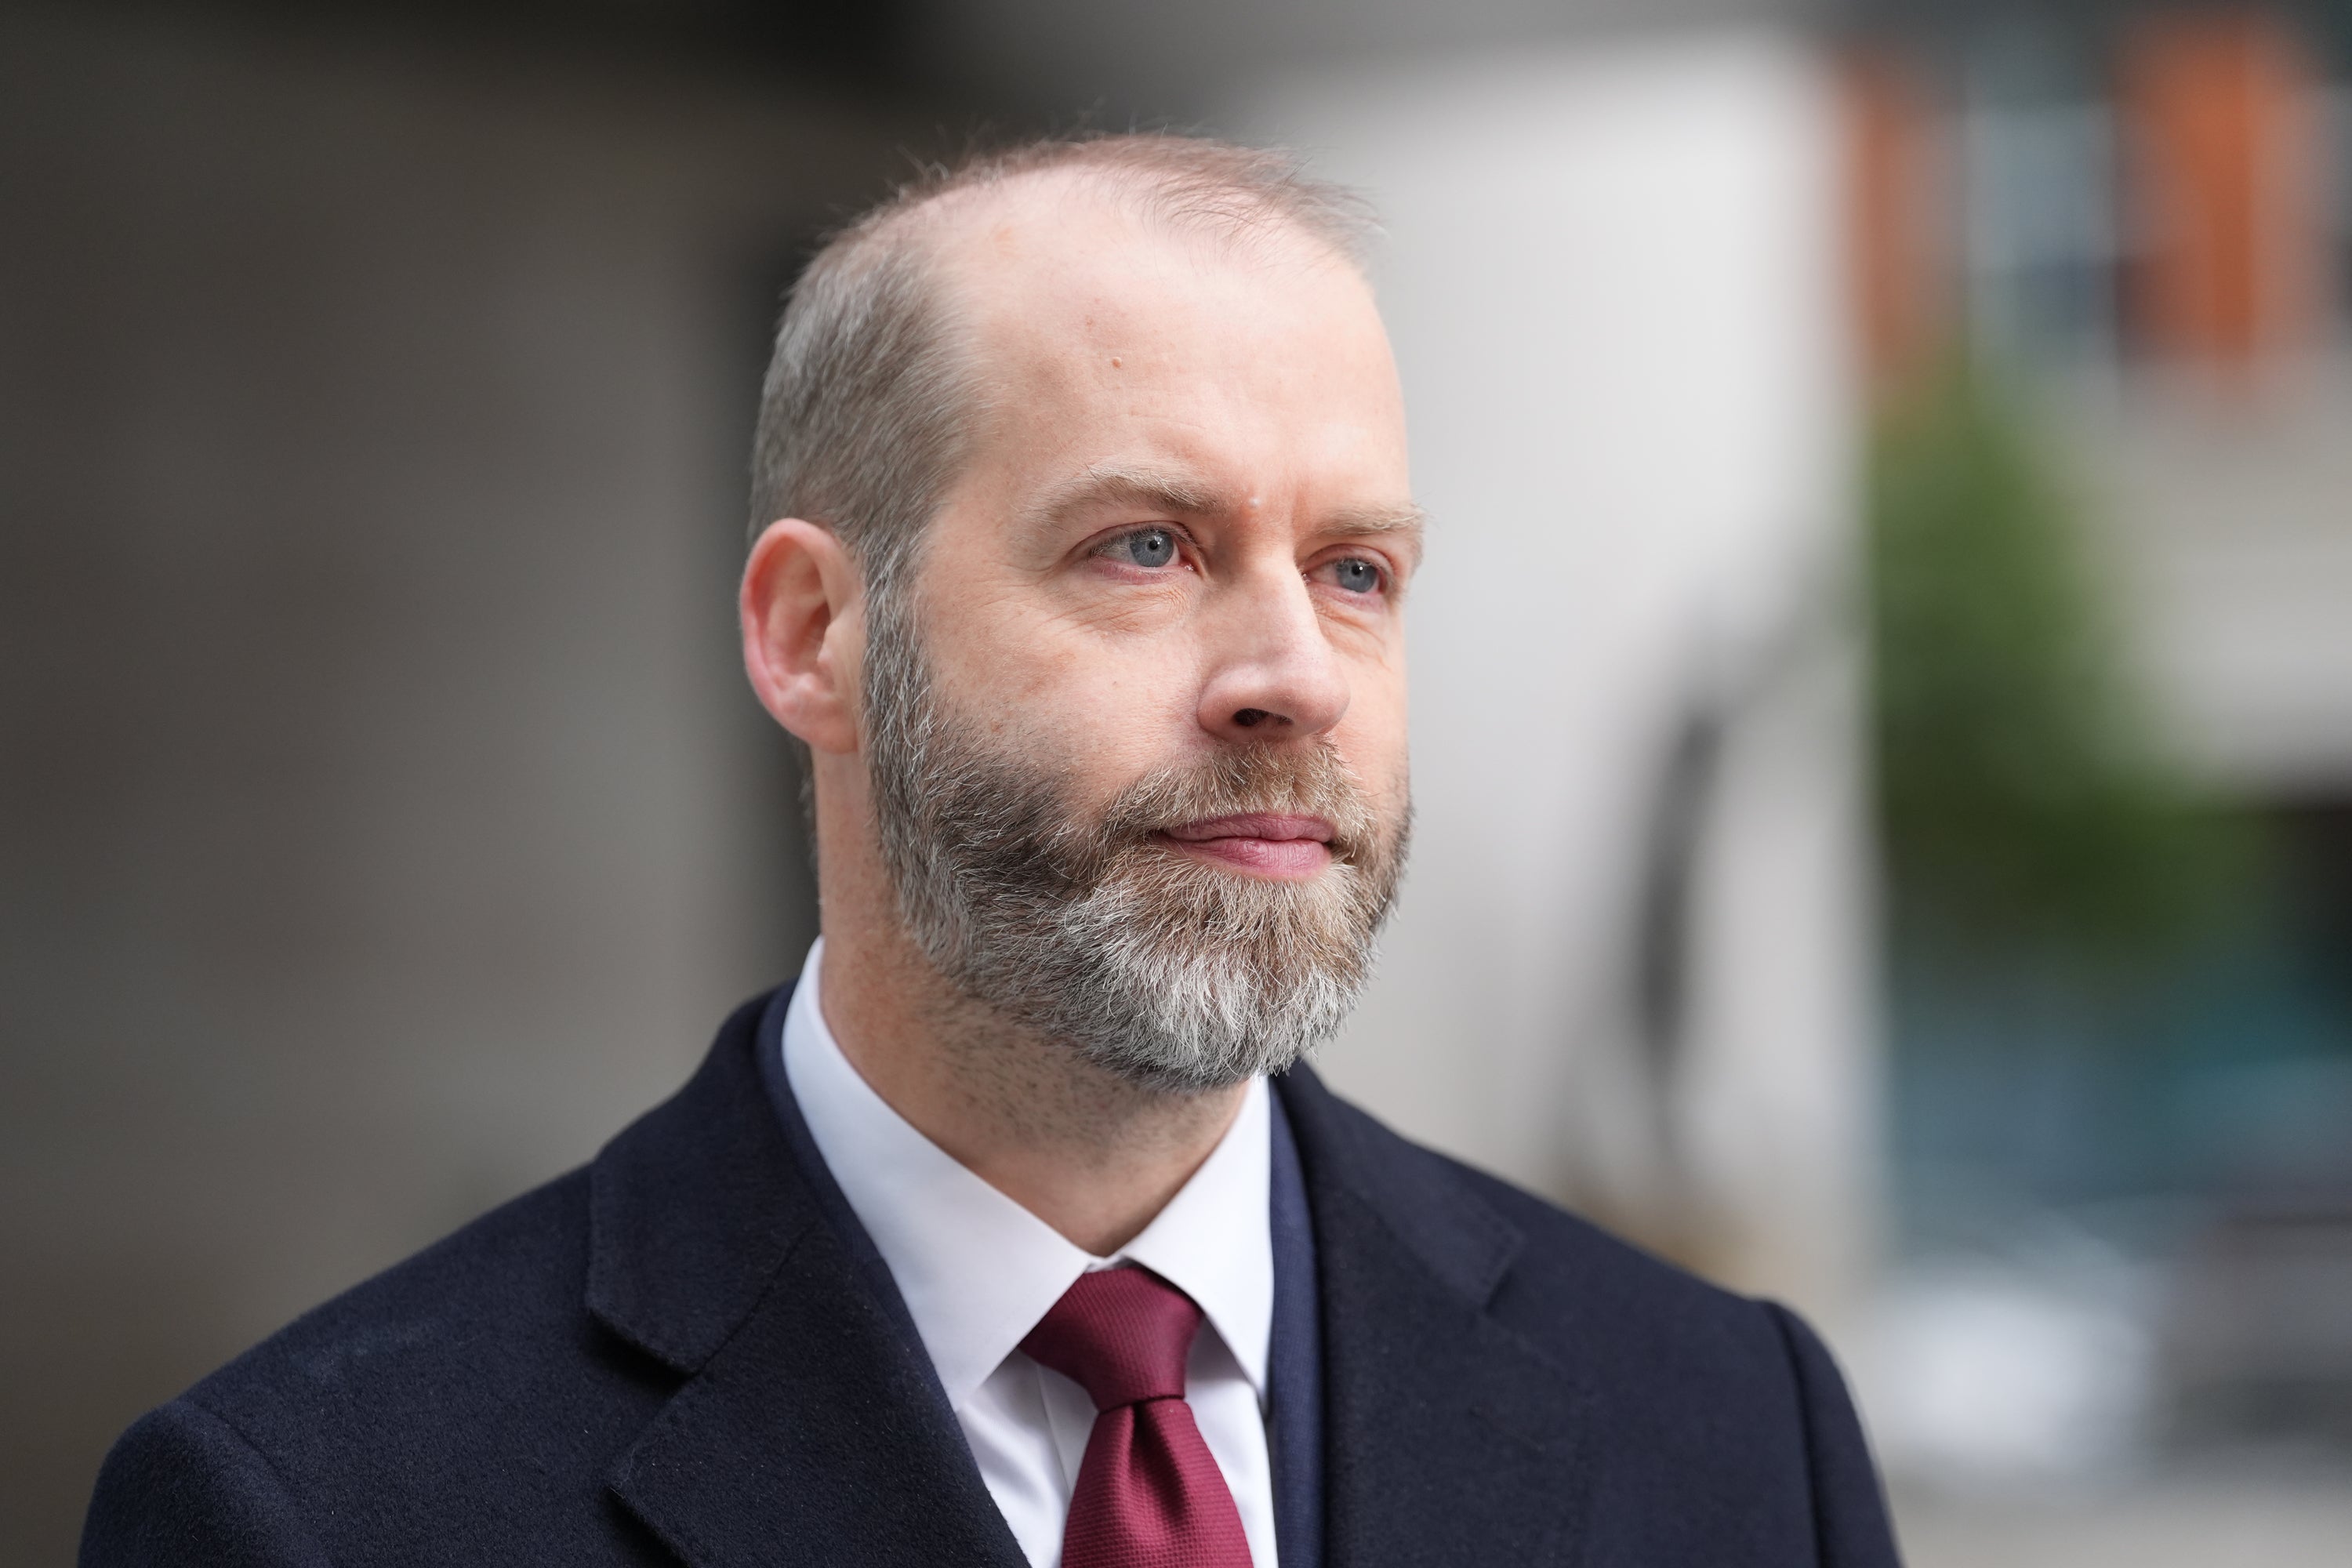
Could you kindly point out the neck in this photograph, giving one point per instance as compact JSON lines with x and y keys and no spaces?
{"x":1091,"y":1154}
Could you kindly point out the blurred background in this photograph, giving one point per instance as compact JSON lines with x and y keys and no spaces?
{"x":1883,"y":677}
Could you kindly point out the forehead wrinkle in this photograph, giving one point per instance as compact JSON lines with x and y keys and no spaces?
{"x":1111,"y":484}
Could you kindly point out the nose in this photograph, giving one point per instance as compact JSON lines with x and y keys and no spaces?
{"x":1273,"y":673}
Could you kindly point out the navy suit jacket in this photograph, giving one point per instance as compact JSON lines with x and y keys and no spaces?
{"x":676,"y":1356}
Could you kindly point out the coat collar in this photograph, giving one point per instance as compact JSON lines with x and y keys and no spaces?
{"x":693,"y":1209}
{"x":1448,"y":1438}
{"x":807,"y":1416}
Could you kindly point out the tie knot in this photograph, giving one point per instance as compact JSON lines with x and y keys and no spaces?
{"x":1121,"y":1334}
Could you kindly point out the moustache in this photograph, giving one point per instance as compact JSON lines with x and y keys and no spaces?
{"x":1313,"y":783}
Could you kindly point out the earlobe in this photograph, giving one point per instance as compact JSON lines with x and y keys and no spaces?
{"x":799,"y":597}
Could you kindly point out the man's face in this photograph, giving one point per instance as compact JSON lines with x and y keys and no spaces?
{"x":1139,"y":738}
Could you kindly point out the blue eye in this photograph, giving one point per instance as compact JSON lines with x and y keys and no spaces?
{"x":1355,"y":575}
{"x":1149,"y":547}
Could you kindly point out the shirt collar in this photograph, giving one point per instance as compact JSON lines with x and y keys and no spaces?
{"x":976,"y":1270}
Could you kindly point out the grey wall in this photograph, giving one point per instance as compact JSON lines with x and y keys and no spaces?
{"x":382,"y":819}
{"x":1114,"y":64}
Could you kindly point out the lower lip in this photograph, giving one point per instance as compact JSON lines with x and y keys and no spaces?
{"x":1286,"y":859}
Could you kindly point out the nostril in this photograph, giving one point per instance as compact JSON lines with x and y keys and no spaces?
{"x":1249,"y":718}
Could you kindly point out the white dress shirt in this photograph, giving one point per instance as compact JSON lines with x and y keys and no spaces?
{"x":978,"y":1271}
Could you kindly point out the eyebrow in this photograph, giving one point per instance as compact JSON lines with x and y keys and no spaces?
{"x":1157,"y":489}
{"x":1183,"y":494}
{"x":1407,"y":523}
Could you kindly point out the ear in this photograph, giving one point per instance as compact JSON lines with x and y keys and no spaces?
{"x":799,"y":610}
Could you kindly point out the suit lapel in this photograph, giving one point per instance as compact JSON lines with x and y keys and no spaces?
{"x":807,"y":1427}
{"x":1448,"y":1438}
{"x":813,"y":1435}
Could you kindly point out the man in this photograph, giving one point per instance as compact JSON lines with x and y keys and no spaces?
{"x":1015,"y":1231}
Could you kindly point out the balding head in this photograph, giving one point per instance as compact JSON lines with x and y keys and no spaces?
{"x":872,"y":396}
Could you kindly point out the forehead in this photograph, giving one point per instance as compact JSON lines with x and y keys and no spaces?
{"x":1104,"y":331}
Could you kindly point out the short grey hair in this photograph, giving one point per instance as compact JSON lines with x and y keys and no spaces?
{"x":872,"y":394}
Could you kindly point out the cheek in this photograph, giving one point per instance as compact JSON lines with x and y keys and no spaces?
{"x":1374,"y":735}
{"x":1101,"y":704}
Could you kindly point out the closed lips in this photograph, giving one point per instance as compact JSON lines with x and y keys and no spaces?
{"x":1270,"y":844}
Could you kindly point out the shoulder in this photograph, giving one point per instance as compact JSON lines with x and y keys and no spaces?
{"x":470,"y":1373}
{"x":1636,"y":1328}
{"x":1545,"y":1260}
{"x":1568,"y":1265}
{"x":1687,"y":1379}
{"x":479,"y":1309}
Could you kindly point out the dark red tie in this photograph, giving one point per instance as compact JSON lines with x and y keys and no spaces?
{"x":1149,"y":1494}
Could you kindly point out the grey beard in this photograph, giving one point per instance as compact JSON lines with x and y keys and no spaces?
{"x":1172,"y":975}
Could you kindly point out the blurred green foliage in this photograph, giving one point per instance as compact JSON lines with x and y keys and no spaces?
{"x":2028,"y":805}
